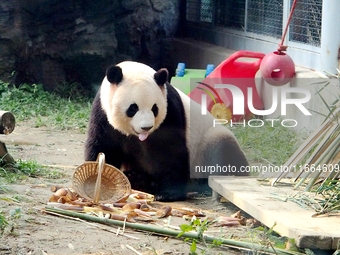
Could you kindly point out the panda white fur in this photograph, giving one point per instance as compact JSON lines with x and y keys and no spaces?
{"x":155,"y":133}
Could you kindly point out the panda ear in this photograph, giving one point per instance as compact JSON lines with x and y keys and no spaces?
{"x":114,"y":74}
{"x":161,"y":76}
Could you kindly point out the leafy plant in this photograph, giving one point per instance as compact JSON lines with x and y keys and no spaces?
{"x":199,"y":227}
{"x":69,"y":90}
{"x":329,"y":190}
{"x":15,"y":213}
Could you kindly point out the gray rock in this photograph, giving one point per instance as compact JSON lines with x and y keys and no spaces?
{"x":53,"y":42}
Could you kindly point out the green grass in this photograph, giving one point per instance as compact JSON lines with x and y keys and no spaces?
{"x":3,"y":222}
{"x":32,"y":103}
{"x":267,"y":144}
{"x":21,"y":170}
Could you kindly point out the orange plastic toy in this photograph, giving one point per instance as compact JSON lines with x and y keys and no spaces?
{"x":232,"y":71}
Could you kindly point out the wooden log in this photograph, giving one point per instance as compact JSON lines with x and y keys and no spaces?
{"x":6,"y":158}
{"x":7,"y":122}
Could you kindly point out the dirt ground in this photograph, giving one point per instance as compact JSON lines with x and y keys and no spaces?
{"x":35,"y":232}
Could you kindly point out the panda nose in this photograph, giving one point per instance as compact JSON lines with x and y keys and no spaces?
{"x":146,"y":128}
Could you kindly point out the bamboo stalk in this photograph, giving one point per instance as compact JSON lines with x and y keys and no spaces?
{"x":324,"y":158}
{"x":304,"y":148}
{"x":312,"y":159}
{"x":170,"y":232}
{"x":332,"y":174}
{"x":323,"y":132}
{"x":336,"y":171}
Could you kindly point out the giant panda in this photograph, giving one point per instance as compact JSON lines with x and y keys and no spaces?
{"x":156,"y":134}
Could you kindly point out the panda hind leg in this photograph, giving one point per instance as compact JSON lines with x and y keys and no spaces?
{"x":218,"y":153}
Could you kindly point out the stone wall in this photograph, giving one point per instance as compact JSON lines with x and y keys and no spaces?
{"x":53,"y":42}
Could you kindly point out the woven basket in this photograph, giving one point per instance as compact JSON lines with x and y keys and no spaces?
{"x":100,"y":182}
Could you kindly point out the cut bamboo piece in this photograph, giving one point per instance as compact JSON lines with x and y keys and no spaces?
{"x":7,"y":122}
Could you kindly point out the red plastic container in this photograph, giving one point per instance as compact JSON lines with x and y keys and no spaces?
{"x":235,"y":72}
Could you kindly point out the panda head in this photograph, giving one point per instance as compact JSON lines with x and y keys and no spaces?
{"x":133,"y":96}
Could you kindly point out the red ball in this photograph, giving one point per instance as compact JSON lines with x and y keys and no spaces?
{"x":277,"y":68}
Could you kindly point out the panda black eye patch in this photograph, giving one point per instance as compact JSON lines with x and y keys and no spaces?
{"x":132,"y":110}
{"x":154,"y":109}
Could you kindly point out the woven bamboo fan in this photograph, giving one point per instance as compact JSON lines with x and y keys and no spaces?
{"x":100,"y":182}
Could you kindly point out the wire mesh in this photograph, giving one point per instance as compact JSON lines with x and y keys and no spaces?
{"x":265,"y":17}
{"x":206,"y":11}
{"x":199,"y":11}
{"x":305,"y":26}
{"x":230,"y":14}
